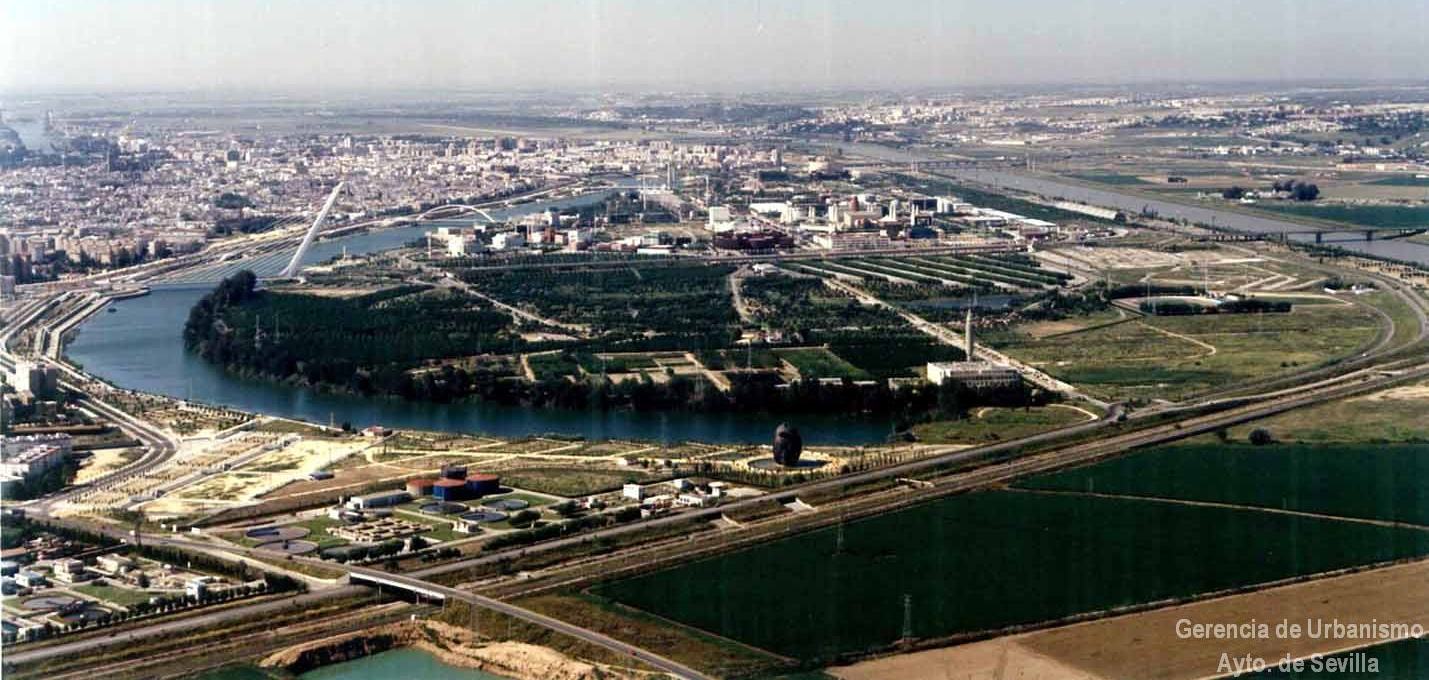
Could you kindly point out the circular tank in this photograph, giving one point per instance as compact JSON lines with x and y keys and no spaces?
{"x":484,"y":484}
{"x":440,"y":508}
{"x":507,"y":504}
{"x":484,"y":516}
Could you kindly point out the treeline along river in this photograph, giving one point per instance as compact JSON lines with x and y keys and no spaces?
{"x":141,"y":347}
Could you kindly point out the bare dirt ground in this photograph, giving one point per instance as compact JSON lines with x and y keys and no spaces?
{"x":1146,"y":645}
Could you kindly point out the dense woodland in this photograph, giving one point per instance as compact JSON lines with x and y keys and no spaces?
{"x":388,"y":343}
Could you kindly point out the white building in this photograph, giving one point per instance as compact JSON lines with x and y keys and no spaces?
{"x":634,"y":491}
{"x":381,"y":499}
{"x":978,"y":375}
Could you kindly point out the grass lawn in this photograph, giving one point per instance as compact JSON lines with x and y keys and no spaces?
{"x":531,"y":498}
{"x":572,"y":482}
{"x":124,"y":597}
{"x":821,"y":363}
{"x":1394,"y":415}
{"x":1359,"y":215}
{"x":1371,"y":481}
{"x":1406,"y":324}
{"x":997,"y":424}
{"x":1401,"y":181}
{"x":317,"y":528}
{"x":441,"y":529}
{"x":1109,"y":178}
{"x":553,"y":365}
{"x":1171,"y":357}
{"x":988,"y":560}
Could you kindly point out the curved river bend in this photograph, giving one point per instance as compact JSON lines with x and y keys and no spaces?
{"x":140,"y":347}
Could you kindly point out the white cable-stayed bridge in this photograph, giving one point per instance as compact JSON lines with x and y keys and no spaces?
{"x":285,"y":257}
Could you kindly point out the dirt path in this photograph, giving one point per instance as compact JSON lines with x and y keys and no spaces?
{"x":1208,"y":346}
{"x":735,"y":279}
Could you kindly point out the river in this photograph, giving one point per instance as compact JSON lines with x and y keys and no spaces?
{"x":30,"y":126}
{"x":140,"y":346}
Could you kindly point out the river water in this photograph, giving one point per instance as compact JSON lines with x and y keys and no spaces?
{"x":140,"y":346}
{"x":405,"y":663}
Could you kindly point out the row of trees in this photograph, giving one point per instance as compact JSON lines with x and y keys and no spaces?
{"x":1299,"y":191}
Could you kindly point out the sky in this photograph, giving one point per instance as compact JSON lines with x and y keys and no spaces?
{"x":321,"y":45}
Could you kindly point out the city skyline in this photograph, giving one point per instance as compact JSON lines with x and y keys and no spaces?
{"x":739,"y":44}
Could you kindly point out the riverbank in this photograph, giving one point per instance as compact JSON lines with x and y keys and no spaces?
{"x":453,"y":646}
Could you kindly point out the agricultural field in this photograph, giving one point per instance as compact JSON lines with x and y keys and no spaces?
{"x":990,"y":560}
{"x":1175,"y":357}
{"x":1126,"y":645}
{"x":1367,"y":481}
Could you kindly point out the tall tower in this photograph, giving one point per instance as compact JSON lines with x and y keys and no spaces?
{"x":968,"y":333}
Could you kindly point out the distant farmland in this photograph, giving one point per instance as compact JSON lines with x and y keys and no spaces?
{"x":990,"y":560}
{"x":1372,"y":481}
{"x":1360,"y":215}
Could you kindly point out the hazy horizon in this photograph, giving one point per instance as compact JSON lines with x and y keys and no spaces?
{"x":331,"y":47}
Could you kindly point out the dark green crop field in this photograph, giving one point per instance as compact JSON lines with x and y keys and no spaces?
{"x":1373,"y":481}
{"x":1403,"y":659}
{"x":989,"y":560}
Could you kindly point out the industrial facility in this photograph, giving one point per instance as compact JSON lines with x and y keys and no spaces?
{"x":454,"y":484}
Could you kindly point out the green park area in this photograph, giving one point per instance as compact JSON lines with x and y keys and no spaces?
{"x":124,"y":597}
{"x":817,"y":362}
{"x":1395,"y":415}
{"x":1406,"y":216}
{"x":1172,"y":357}
{"x":990,"y":560}
{"x":1109,"y":178}
{"x":573,"y":481}
{"x":990,"y":425}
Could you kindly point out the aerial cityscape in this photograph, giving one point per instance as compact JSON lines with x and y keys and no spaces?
{"x":635,"y":340}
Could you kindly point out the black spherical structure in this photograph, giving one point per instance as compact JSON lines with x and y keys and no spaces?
{"x":787,"y":445}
